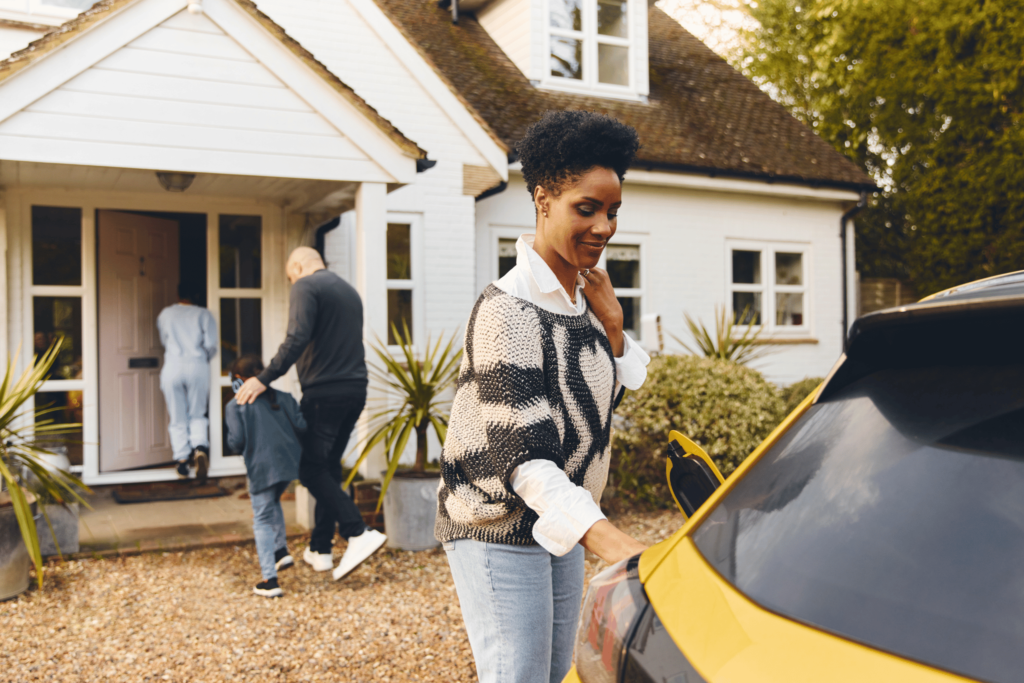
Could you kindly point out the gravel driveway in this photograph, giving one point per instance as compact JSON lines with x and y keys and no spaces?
{"x":192,"y":617}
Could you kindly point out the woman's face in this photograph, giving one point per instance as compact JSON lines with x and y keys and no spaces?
{"x":581,"y":220}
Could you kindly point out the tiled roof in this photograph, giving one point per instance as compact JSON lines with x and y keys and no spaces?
{"x":38,"y":49}
{"x":702,"y":115}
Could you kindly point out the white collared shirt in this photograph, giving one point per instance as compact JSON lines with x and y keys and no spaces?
{"x":566,"y":511}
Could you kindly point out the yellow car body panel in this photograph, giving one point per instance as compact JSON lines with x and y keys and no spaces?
{"x":730,"y":639}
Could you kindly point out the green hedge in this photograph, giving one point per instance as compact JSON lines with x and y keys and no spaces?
{"x":797,"y":392}
{"x":725,"y":407}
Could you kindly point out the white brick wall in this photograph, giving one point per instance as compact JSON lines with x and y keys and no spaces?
{"x":684,"y":233}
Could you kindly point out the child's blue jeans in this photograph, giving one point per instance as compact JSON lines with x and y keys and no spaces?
{"x":268,"y":526}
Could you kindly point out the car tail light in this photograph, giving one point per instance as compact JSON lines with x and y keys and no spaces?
{"x":611,"y":609}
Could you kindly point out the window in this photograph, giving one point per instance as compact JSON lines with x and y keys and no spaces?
{"x":506,"y":255}
{"x":240,"y":253}
{"x":399,"y":279}
{"x":589,"y":42}
{"x":767,"y":286}
{"x":622,"y":261}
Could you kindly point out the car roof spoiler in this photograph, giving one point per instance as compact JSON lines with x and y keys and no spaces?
{"x":962,"y":328}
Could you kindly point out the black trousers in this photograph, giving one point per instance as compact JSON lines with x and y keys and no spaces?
{"x":329,"y":424}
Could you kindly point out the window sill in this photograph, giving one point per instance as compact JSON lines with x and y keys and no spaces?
{"x":608,"y":92}
{"x":761,"y":341}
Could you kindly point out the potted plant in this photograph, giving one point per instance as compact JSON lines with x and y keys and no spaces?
{"x":409,"y":495}
{"x":23,"y":435}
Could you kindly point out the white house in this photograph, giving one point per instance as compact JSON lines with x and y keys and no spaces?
{"x":145,"y":142}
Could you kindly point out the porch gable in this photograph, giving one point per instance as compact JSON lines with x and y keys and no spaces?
{"x":215,"y":92}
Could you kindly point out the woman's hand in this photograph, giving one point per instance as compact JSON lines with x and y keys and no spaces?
{"x":601,"y":297}
{"x":606,"y":541}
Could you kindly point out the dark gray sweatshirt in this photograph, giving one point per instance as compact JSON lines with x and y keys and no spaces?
{"x":325,"y":338}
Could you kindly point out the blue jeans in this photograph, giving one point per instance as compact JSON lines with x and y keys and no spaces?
{"x":268,"y":526}
{"x":520,"y":605}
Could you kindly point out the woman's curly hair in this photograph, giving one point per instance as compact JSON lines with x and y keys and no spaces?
{"x":560,"y":148}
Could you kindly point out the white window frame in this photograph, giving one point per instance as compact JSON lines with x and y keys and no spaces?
{"x":768,"y":288}
{"x":415,"y":284}
{"x":498,"y":234}
{"x":589,"y":84}
{"x":630,"y":239}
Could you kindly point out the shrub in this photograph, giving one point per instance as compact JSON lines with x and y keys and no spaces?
{"x":725,"y":407}
{"x":796,"y":392}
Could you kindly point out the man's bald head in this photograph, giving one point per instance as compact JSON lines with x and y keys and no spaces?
{"x":303,"y":261}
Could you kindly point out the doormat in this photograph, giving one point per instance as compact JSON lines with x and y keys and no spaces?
{"x":168,"y":490}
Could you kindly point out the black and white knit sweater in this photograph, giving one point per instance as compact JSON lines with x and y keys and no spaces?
{"x":533,"y":385}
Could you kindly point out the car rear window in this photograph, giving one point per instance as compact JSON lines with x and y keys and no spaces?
{"x":893,"y":514}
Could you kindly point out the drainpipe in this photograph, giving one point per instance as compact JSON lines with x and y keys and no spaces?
{"x":455,"y":11}
{"x":843,"y":222}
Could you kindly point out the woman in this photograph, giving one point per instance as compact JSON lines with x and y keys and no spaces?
{"x":527,"y":450}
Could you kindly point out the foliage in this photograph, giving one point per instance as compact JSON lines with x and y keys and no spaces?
{"x":419,"y":384}
{"x":727,"y":408}
{"x":798,"y":391}
{"x":23,"y":437}
{"x":727,"y":342}
{"x":927,"y":95}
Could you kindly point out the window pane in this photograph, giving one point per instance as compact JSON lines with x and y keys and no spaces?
{"x":611,"y":18}
{"x":789,"y":309}
{"x":613,"y":64}
{"x":623,"y":261}
{"x":241,"y":252}
{"x":746,"y":267}
{"x":399,"y":252}
{"x":567,"y":14}
{"x":789,"y":269}
{"x":506,"y":256}
{"x":746,"y":307}
{"x":59,"y":317}
{"x":241,"y":330}
{"x":399,"y":311}
{"x":567,"y":57}
{"x":631,"y":315}
{"x":67,"y":409}
{"x":56,"y":246}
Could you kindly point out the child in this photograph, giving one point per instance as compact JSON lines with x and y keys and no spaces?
{"x":266,"y":433}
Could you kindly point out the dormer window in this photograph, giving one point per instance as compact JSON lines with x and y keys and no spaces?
{"x":589,"y":43}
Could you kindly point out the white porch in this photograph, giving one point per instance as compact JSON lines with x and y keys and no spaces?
{"x":275,"y":146}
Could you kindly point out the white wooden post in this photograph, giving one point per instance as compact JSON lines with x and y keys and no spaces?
{"x":371,"y":281}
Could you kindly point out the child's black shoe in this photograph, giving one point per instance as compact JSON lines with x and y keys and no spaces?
{"x":268,"y":589}
{"x":283,"y":559}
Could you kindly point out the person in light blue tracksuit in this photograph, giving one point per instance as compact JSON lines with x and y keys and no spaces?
{"x":189,"y":336}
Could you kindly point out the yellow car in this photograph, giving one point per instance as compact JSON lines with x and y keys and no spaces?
{"x":876,"y":535}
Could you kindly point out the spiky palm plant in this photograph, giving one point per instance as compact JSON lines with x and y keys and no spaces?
{"x":729,"y":341}
{"x":419,"y":383}
{"x":24,"y":435}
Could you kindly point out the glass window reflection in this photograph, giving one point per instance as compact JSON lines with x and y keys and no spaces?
{"x":612,"y":17}
{"x":399,"y":251}
{"x":59,"y":317}
{"x":241,"y":330}
{"x":399,"y":312}
{"x":566,"y":57}
{"x":567,"y":14}
{"x":613,"y":64}
{"x":746,"y":267}
{"x":789,"y":269}
{"x":62,"y":407}
{"x":56,"y":245}
{"x":746,"y":307}
{"x":506,"y":256}
{"x":241,"y":252}
{"x":623,"y":262}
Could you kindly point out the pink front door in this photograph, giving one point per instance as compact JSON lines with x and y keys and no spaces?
{"x":138,"y":277}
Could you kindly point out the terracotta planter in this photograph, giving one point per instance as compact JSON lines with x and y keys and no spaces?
{"x":410,"y":509}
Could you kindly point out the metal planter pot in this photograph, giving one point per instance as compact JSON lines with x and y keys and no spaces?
{"x":410,"y":509}
{"x":14,"y":558}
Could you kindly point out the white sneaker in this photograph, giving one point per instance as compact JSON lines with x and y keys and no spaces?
{"x":320,"y":562}
{"x":359,"y":549}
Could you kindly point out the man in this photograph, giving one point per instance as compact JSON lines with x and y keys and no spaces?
{"x":189,"y":336}
{"x":325,"y":342}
